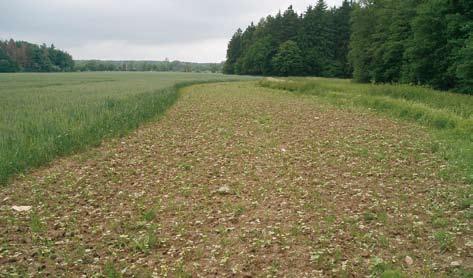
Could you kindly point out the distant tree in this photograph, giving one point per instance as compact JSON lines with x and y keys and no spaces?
{"x":214,"y":68}
{"x":61,"y":60}
{"x":188,"y":67}
{"x":288,"y":60}
{"x":40,"y":61}
{"x":6,"y":64}
{"x":31,"y":57}
{"x":22,"y":58}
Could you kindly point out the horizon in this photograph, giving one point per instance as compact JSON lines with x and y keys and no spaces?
{"x":106,"y":31}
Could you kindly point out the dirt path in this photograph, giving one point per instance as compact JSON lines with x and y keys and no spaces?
{"x":245,"y":181}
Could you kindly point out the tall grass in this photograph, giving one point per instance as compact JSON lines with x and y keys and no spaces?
{"x":448,"y":116}
{"x":43,"y":116}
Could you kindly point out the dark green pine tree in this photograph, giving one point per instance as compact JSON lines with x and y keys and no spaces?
{"x":274,"y":27}
{"x":40,"y":61}
{"x":257,"y":59}
{"x":288,"y":60}
{"x":439,"y":44}
{"x":361,"y":40}
{"x":427,"y":52}
{"x":233,"y":53}
{"x":390,"y":38}
{"x":315,"y":40}
{"x":247,"y":40}
{"x":290,"y":22}
{"x":340,"y":27}
{"x":61,"y":60}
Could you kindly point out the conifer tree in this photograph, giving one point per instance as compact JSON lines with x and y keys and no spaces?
{"x":288,"y":60}
{"x":233,"y":53}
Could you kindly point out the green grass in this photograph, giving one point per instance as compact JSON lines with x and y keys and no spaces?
{"x":448,"y":116}
{"x":43,"y":116}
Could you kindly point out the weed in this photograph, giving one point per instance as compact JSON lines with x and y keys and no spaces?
{"x":110,"y":271}
{"x":36,"y":225}
{"x":330,"y":219}
{"x":445,"y":240}
{"x":274,"y":269}
{"x":392,"y":274}
{"x":149,"y":215}
{"x":185,"y":166}
{"x":383,"y":241}
{"x":147,"y":242}
{"x":238,"y":210}
{"x":439,"y":222}
{"x":466,"y":199}
{"x":369,"y":216}
{"x":181,"y":271}
{"x":385,"y":270}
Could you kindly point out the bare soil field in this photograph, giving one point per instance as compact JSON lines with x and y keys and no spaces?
{"x":236,"y":180}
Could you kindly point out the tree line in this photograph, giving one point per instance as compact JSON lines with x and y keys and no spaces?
{"x":314,"y":43}
{"x":161,"y":66}
{"x":21,"y":56}
{"x":425,"y":42}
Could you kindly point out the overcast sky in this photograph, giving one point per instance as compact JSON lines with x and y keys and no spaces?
{"x":186,"y":30}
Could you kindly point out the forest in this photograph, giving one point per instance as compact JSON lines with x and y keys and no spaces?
{"x":421,"y":42}
{"x":21,"y":56}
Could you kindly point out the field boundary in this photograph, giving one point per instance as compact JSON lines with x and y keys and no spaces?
{"x":154,"y":103}
{"x":454,"y":130}
{"x":451,"y":133}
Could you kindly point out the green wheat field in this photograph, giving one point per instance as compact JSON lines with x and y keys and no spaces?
{"x":43,"y":116}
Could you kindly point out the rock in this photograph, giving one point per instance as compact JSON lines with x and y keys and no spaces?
{"x":455,"y":263}
{"x":224,"y":190}
{"x":21,"y":208}
{"x":408,"y":260}
{"x":283,"y":150}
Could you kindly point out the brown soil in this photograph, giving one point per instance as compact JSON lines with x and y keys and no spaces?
{"x":313,"y":191}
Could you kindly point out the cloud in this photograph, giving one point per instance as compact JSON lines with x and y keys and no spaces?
{"x":142,"y":29}
{"x":208,"y":50}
